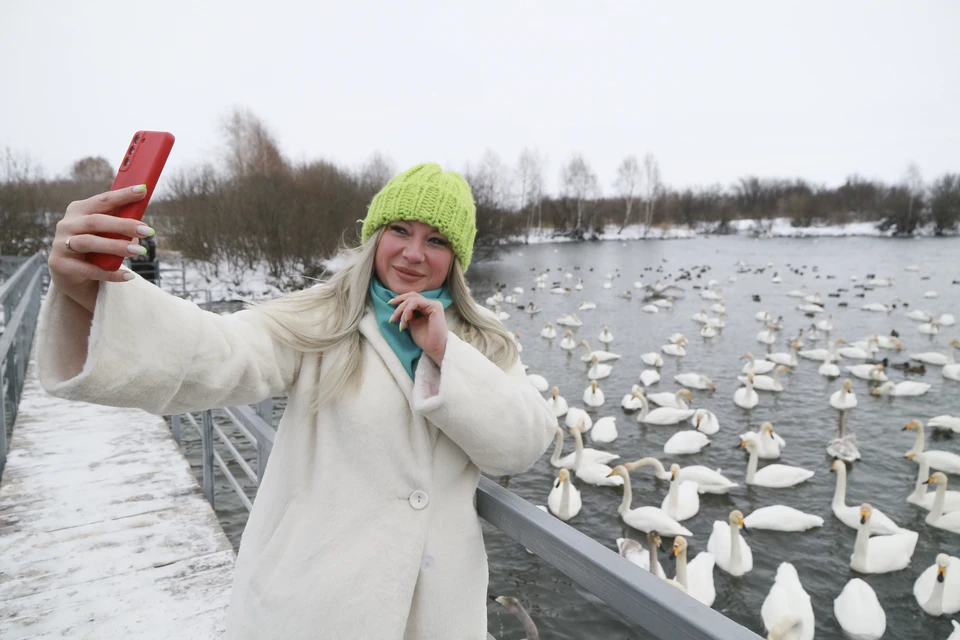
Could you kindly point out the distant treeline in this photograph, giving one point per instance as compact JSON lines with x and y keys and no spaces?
{"x":256,"y":206}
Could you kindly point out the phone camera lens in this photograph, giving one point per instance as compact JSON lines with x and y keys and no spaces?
{"x":126,"y":162}
{"x":131,"y":150}
{"x":136,"y":140}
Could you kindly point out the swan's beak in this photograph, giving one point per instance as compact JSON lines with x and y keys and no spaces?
{"x":875,"y":392}
{"x":611,"y":474}
{"x":494,"y":598}
{"x":941,"y":574}
{"x":930,"y":481}
{"x":744,"y":357}
{"x":742,"y":524}
{"x":674,"y":554}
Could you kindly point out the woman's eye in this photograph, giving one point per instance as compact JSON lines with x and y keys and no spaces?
{"x":439,"y":241}
{"x":397,"y":228}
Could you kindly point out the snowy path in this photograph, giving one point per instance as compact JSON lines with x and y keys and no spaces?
{"x":104,"y":532}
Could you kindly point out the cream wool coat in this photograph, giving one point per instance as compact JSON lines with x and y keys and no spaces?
{"x":365,"y":524}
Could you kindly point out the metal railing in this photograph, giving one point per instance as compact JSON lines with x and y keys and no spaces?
{"x":634,"y":593}
{"x":20,"y":296}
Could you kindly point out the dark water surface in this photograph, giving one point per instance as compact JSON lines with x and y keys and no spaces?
{"x":801,"y":414}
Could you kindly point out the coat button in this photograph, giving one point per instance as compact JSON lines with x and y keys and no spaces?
{"x":426,"y":562}
{"x":419,"y":500}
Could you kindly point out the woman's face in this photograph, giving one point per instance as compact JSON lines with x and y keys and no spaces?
{"x":412,"y":256}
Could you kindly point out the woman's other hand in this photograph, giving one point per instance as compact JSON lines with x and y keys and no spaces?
{"x":426,"y":320}
{"x":84,"y":219}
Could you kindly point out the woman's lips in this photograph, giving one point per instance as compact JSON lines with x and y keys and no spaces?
{"x":407,"y":275}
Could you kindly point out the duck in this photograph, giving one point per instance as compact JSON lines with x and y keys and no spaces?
{"x":858,"y":611}
{"x":775,"y":476}
{"x":683,"y":500}
{"x":568,"y":342}
{"x":745,"y":397}
{"x":923,"y":498}
{"x":652,"y":359}
{"x":548,"y":332}
{"x":564,"y":498}
{"x":594,"y":473}
{"x":695,"y":381}
{"x":675,"y":349}
{"x":731,"y":551}
{"x":593,"y":395}
{"x":905,"y":388}
{"x":708,"y":480}
{"x":649,"y":377}
{"x":697,"y":575}
{"x":844,"y":399}
{"x":755,"y":366}
{"x":597,"y":370}
{"x":644,"y":519}
{"x":705,"y":421}
{"x":601,"y":356}
{"x":937,"y":517}
{"x":945,"y":461}
{"x":937,"y":589}
{"x":605,"y":336}
{"x":767,"y":442}
{"x":557,"y":403}
{"x":539,"y":382}
{"x":604,"y":430}
{"x":787,"y":606}
{"x":780,"y":517}
{"x":850,"y":516}
{"x":662,"y":415}
{"x":676,"y":400}
{"x":767,"y":383}
{"x":685,"y":443}
{"x":635,"y":553}
{"x":869,"y":372}
{"x":880,"y":554}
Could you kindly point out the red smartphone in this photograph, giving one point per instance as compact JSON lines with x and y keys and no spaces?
{"x":142,"y":164}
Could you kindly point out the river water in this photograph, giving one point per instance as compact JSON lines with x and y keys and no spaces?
{"x":801,"y":414}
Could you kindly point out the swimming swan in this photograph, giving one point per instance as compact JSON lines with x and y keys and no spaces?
{"x":858,"y":611}
{"x":881,"y":524}
{"x":746,"y":397}
{"x":697,"y":575}
{"x":564,"y":498}
{"x":776,"y":476}
{"x":937,"y":589}
{"x":937,"y":517}
{"x":844,"y":399}
{"x":644,"y":519}
{"x":567,"y":461}
{"x":923,"y":498}
{"x":786,"y":603}
{"x":780,"y":517}
{"x":945,"y":461}
{"x":591,"y":472}
{"x":683,"y":500}
{"x":880,"y":554}
{"x":731,"y":551}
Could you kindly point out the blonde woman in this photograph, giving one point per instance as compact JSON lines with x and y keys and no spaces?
{"x":401,"y":390}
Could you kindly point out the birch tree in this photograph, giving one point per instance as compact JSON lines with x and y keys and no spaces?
{"x":530,"y":183}
{"x":651,"y":179}
{"x":629,"y":178}
{"x":580,"y":185}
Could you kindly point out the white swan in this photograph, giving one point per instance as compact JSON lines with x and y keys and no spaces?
{"x":768,"y":443}
{"x":708,"y":480}
{"x":705,"y":421}
{"x":780,"y":517}
{"x":597,"y":370}
{"x":605,"y":336}
{"x":591,"y":472}
{"x":937,"y":517}
{"x":635,"y":553}
{"x":937,"y":589}
{"x":649,"y":377}
{"x":731,"y":551}
{"x":557,"y":403}
{"x":662,"y":415}
{"x":587,"y":306}
{"x":880,"y":554}
{"x":708,"y":332}
{"x":929,"y":328}
{"x":858,"y":611}
{"x":675,"y":349}
{"x":860,"y":353}
{"x":745,"y":397}
{"x":767,"y":336}
{"x":767,"y":383}
{"x":685,"y":443}
{"x":548,"y":332}
{"x":829,"y":368}
{"x":564,"y":498}
{"x":631,"y":401}
{"x":578,"y":418}
{"x":683,"y":500}
{"x":786,"y":604}
{"x":644,"y":519}
{"x":869,"y":372}
{"x":787,"y":359}
{"x":570,"y":320}
{"x":881,"y":524}
{"x":539,"y":382}
{"x":755,"y":366}
{"x":775,"y":476}
{"x":676,"y":400}
{"x":695,"y":381}
{"x":601,"y":356}
{"x":939,"y":460}
{"x":568,"y":343}
{"x":604,"y":430}
{"x":821,"y":355}
{"x":956,"y":631}
{"x":700,"y":316}
{"x":593,"y":395}
{"x":568,"y":461}
{"x":697,"y":575}
{"x":843,"y":447}
{"x":905,"y":388}
{"x":945,"y":422}
{"x":650,"y":308}
{"x":844,"y":399}
{"x":925,"y":499}
{"x":951,"y":370}
{"x":652,"y":359}
{"x":825,"y":325}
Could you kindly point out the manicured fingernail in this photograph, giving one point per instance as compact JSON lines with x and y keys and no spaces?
{"x":140,"y":188}
{"x":128,"y":275}
{"x":136,"y":250}
{"x":144,"y":230}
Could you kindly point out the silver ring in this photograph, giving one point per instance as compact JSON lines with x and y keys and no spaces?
{"x":67,"y":243}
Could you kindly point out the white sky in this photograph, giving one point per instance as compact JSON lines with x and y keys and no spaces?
{"x":716,"y":90}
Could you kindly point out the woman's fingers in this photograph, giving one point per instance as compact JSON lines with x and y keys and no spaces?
{"x":109,"y":201}
{"x":88,"y":243}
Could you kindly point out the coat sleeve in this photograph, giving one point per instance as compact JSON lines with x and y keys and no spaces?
{"x":150,"y":350}
{"x":497,"y":417}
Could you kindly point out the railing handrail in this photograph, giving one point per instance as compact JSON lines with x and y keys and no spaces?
{"x":634,"y":593}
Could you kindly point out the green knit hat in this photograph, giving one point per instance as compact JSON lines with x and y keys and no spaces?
{"x":430,"y":195}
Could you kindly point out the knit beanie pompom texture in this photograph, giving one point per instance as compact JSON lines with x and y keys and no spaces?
{"x":428,"y":194}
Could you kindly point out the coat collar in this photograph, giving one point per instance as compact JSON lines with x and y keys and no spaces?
{"x":370,"y":330}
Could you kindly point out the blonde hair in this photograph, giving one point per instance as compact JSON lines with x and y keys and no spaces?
{"x":325,"y":319}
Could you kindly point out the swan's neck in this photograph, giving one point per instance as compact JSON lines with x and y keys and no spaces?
{"x":682,"y":569}
{"x":793,"y":357}
{"x":627,"y":495}
{"x":565,"y":497}
{"x":644,"y":409}
{"x":660,"y":472}
{"x":937,"y":509}
{"x":578,"y":457}
{"x":776,"y":376}
{"x":918,"y":442}
{"x":653,"y":559}
{"x":860,"y":547}
{"x":935,"y":601}
{"x":950,"y":359}
{"x":919,"y":489}
{"x":735,"y":559}
{"x":587,"y":348}
{"x":673,"y":496}
{"x":681,"y":404}
{"x":557,"y":449}
{"x":529,"y":628}
{"x":840,"y":492}
{"x":752,"y":465}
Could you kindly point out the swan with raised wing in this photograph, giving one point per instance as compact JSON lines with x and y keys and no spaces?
{"x":880,"y":554}
{"x":728,"y":547}
{"x":644,"y":519}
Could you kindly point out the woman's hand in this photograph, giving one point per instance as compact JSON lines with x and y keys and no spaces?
{"x":426,"y":320}
{"x":69,"y":270}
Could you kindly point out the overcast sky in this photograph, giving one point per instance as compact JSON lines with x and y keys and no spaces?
{"x":715,"y":90}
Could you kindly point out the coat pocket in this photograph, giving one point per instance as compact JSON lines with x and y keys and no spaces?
{"x":266,"y":563}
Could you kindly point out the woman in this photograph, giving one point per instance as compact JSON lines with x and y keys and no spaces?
{"x":401,"y":390}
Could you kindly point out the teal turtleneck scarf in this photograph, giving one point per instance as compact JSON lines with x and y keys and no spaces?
{"x":401,"y":341}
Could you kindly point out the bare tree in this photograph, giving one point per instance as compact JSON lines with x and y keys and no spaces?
{"x":530,"y":182}
{"x":376,"y":172}
{"x":251,"y":149}
{"x":914,"y":184}
{"x":629,"y":177}
{"x":945,"y":203}
{"x":580,"y":185}
{"x":651,"y":180}
{"x":92,"y":169}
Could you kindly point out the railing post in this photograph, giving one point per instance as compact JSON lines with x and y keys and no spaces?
{"x":208,"y":455}
{"x":175,"y":427}
{"x":3,"y":426}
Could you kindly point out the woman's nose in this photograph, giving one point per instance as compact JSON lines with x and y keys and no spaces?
{"x":413,"y":252}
